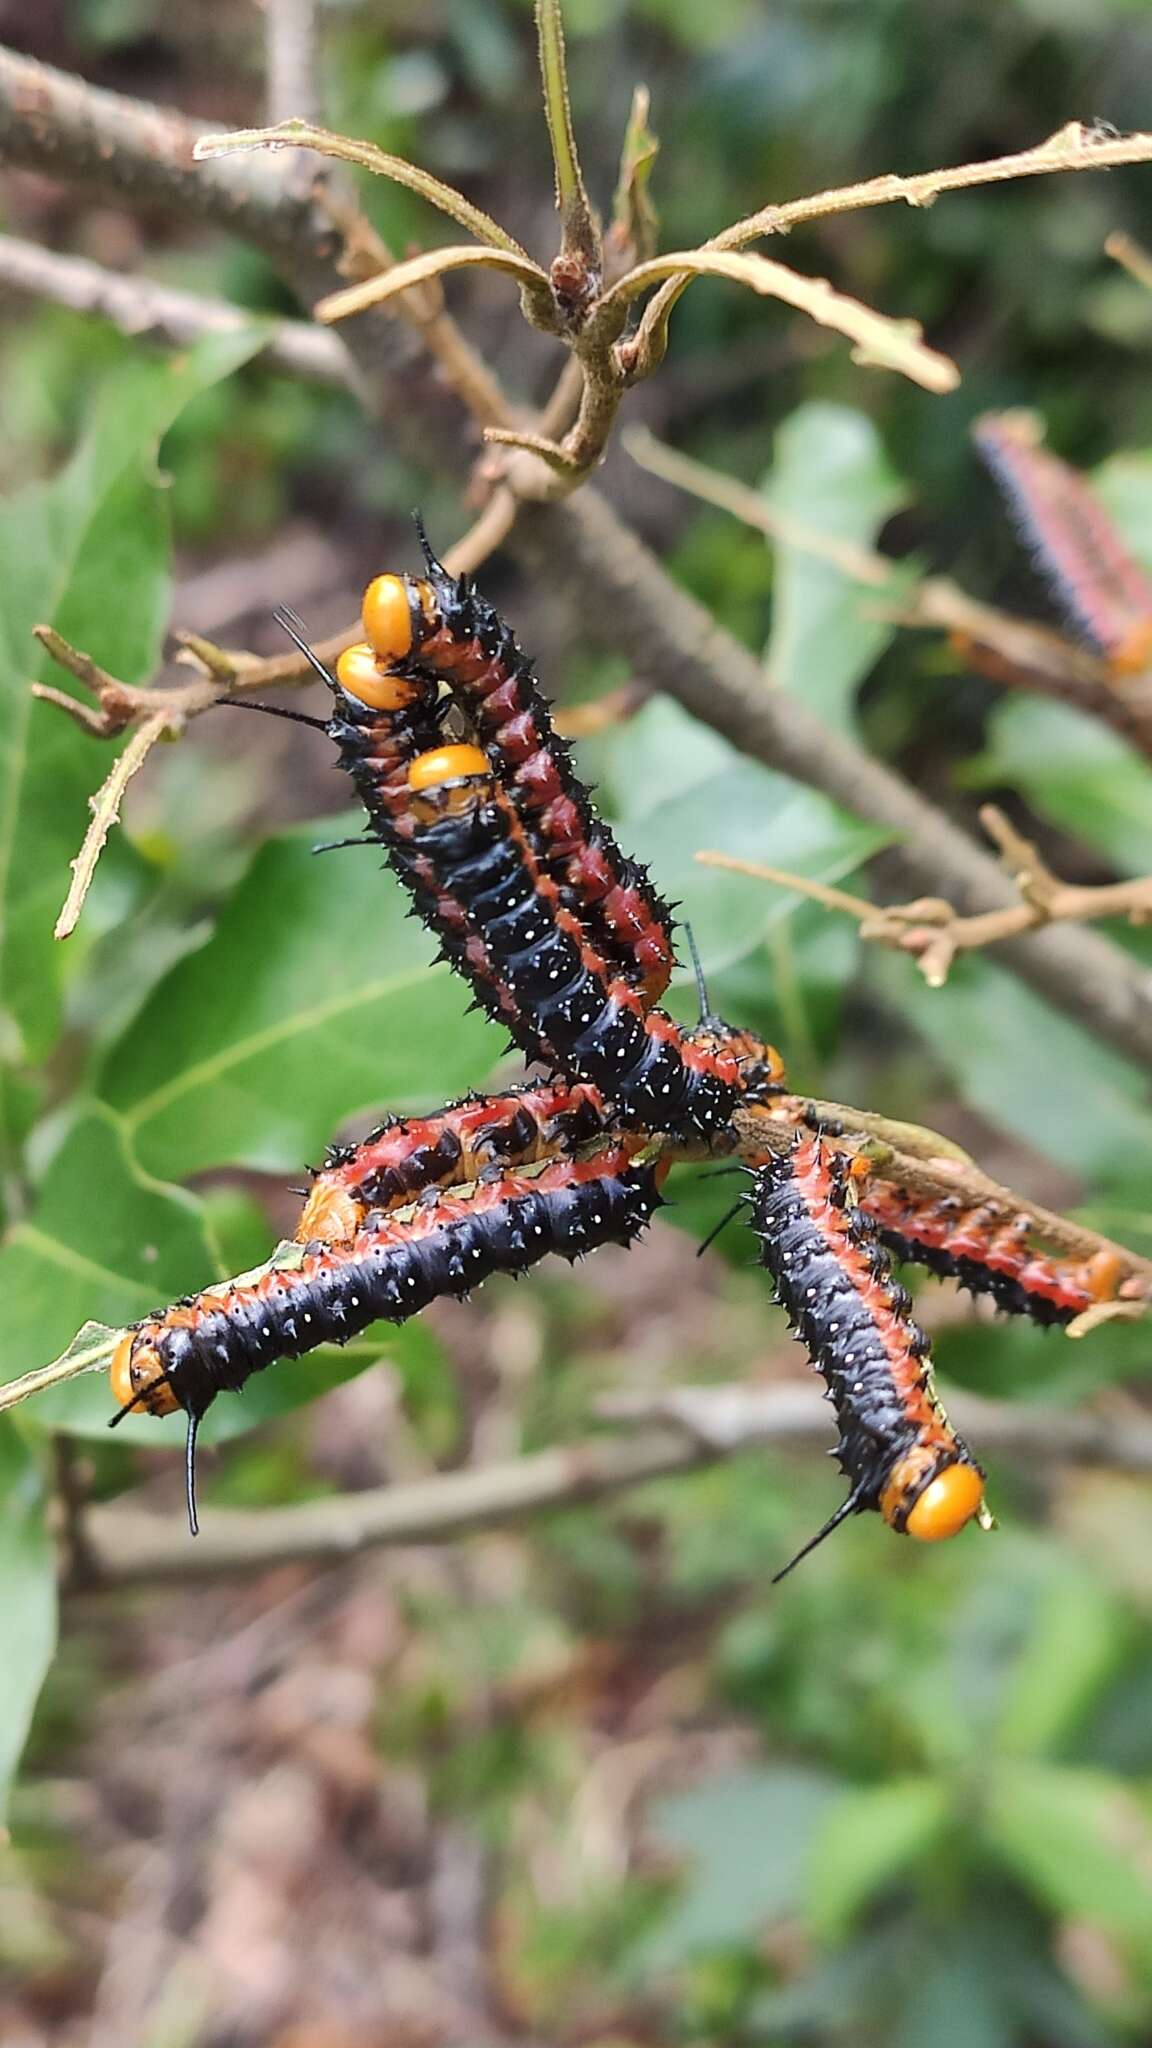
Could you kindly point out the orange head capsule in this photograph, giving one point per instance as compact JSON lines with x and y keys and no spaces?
{"x":360,"y":673}
{"x":387,"y":615}
{"x":444,"y":781}
{"x":445,"y":764}
{"x":138,"y":1378}
{"x":946,"y":1504}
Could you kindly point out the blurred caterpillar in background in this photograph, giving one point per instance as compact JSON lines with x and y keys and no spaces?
{"x":1094,"y":578}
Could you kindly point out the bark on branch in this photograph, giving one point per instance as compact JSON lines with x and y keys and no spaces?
{"x":674,"y":1433}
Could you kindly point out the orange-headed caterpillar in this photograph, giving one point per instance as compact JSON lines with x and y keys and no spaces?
{"x":392,"y":1268}
{"x":453,"y":634}
{"x":660,"y":1076}
{"x":897,"y":1449}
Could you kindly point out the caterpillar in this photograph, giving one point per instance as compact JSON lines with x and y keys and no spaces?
{"x":662,"y":1077}
{"x":392,"y":1268}
{"x":449,"y":632}
{"x":989,"y":1253}
{"x":457,"y":842}
{"x":896,"y":1446}
{"x":407,"y":1155}
{"x":1093,"y":576}
{"x":381,"y":722}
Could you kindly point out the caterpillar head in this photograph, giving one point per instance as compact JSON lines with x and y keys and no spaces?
{"x":930,"y":1499}
{"x":139,"y":1376}
{"x":447,"y":781}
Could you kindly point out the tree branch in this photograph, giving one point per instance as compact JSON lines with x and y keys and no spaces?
{"x":292,"y":63}
{"x":672,"y":1433}
{"x":160,"y":313}
{"x":66,"y":128}
{"x":929,"y":928}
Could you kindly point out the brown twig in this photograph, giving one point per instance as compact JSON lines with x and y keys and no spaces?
{"x":1072,"y":148}
{"x":291,"y":59}
{"x":160,"y":313}
{"x":672,"y":1433}
{"x":933,"y":932}
{"x":1131,"y":255}
{"x":105,"y":808}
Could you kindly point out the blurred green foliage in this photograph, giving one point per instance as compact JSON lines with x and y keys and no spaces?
{"x":939,"y":1825}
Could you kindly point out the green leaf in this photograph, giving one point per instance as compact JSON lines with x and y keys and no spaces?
{"x":28,"y":1608}
{"x":700,"y":793}
{"x":1124,"y":486}
{"x":953,"y":2005}
{"x":314,"y":999}
{"x":104,"y":1244}
{"x":1075,"y":1643}
{"x":1029,"y":1069}
{"x":867,"y":1840}
{"x":88,"y":554}
{"x":1079,"y":1840}
{"x":830,"y":474}
{"x":1076,"y":772}
{"x":745,"y":1834}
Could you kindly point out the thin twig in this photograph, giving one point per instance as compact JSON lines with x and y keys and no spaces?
{"x":673,"y":1433}
{"x":783,"y":878}
{"x":105,"y":808}
{"x":713,"y":487}
{"x":160,"y":313}
{"x":422,"y":269}
{"x":305,"y":135}
{"x":880,"y":341}
{"x":1131,"y":255}
{"x":1072,"y":148}
{"x":933,"y":932}
{"x":291,"y":60}
{"x":576,"y":272}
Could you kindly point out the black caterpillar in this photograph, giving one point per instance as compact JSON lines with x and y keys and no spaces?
{"x":896,"y":1448}
{"x":398,"y":1263}
{"x":447,"y":630}
{"x":466,"y":831}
